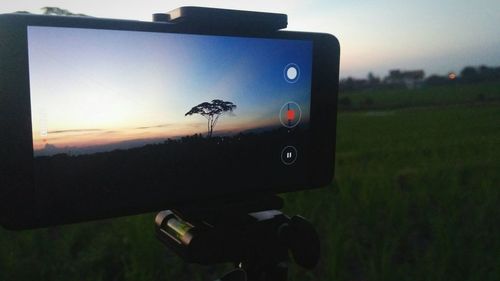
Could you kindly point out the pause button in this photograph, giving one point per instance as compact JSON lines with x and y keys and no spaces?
{"x":288,"y":155}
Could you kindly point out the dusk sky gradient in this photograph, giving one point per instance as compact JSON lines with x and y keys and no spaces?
{"x":95,"y":87}
{"x":435,"y":35}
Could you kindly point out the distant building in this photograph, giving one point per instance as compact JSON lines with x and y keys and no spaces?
{"x":411,"y":79}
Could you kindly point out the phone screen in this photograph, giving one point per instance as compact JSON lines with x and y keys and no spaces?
{"x":166,"y":111}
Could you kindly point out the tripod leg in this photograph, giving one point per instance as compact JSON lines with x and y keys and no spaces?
{"x":235,"y":275}
{"x":278,"y":272}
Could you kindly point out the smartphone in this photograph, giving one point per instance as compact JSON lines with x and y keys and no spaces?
{"x":102,"y":118}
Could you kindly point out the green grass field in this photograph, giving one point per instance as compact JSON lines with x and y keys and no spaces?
{"x":416,"y":197}
{"x":427,"y":96}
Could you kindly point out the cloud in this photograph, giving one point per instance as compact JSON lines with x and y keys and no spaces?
{"x":151,"y":127}
{"x":75,"y":131}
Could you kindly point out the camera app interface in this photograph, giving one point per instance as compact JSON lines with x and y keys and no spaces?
{"x":161,"y":110}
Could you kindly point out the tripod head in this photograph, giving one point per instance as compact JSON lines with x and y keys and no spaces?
{"x":258,"y":243}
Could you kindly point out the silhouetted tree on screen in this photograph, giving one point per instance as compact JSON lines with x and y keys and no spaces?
{"x":212,"y":111}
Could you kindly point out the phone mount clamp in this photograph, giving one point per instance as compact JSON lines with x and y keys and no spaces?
{"x":251,"y":233}
{"x":203,"y":19}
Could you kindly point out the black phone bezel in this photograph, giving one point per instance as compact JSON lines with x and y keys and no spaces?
{"x":19,"y":208}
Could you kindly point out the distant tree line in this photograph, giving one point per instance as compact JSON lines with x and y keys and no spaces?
{"x":480,"y":74}
{"x":416,"y":79}
{"x":55,"y":11}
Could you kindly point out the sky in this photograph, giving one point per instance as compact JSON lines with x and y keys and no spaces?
{"x":437,"y":36}
{"x":94,"y":88}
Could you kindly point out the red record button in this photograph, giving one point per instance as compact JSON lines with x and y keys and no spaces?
{"x":290,"y":114}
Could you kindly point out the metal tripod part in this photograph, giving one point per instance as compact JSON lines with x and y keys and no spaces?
{"x":235,"y":275}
